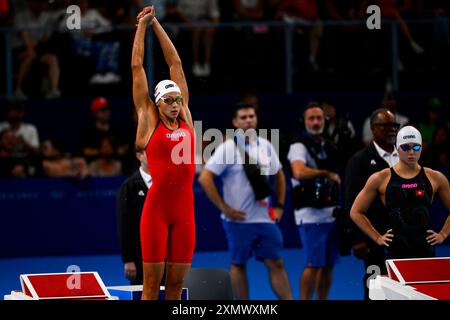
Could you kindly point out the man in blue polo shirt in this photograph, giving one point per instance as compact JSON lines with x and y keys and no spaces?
{"x":249,"y":225}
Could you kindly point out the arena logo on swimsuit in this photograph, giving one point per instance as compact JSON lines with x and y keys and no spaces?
{"x":176,"y":135}
{"x":409,"y":185}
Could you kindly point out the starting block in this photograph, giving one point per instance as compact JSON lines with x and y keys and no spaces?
{"x":413,"y":279}
{"x":72,"y":285}
{"x":76,"y":286}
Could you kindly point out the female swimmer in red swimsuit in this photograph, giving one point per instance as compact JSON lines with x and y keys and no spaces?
{"x":166,"y":132}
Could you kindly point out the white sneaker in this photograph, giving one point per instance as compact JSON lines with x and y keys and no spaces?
{"x":416,"y":48}
{"x":19,"y":95}
{"x":54,"y":94}
{"x":197,"y":70}
{"x":111,"y":77}
{"x":206,"y":70}
{"x":97,"y":78}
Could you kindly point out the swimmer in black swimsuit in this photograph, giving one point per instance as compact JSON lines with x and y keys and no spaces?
{"x":407,"y":190}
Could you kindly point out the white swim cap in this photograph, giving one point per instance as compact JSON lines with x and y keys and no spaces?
{"x":407,"y":135}
{"x":165,"y":86}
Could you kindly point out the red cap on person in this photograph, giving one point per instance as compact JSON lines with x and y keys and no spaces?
{"x":99,"y":103}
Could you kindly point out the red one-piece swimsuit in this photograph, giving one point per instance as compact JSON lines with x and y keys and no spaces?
{"x":167,"y":223}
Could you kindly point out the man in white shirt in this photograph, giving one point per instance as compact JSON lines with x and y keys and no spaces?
{"x":378,"y":155}
{"x":249,"y":225}
{"x":26,"y":133}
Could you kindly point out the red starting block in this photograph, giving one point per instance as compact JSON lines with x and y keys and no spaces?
{"x":413,"y":279}
{"x":72,"y":285}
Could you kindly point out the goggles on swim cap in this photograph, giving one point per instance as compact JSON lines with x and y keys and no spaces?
{"x":407,"y":147}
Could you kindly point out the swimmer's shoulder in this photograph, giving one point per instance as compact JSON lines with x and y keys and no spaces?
{"x":379,"y":177}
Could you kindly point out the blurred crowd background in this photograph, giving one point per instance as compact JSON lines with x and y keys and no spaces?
{"x":67,"y":108}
